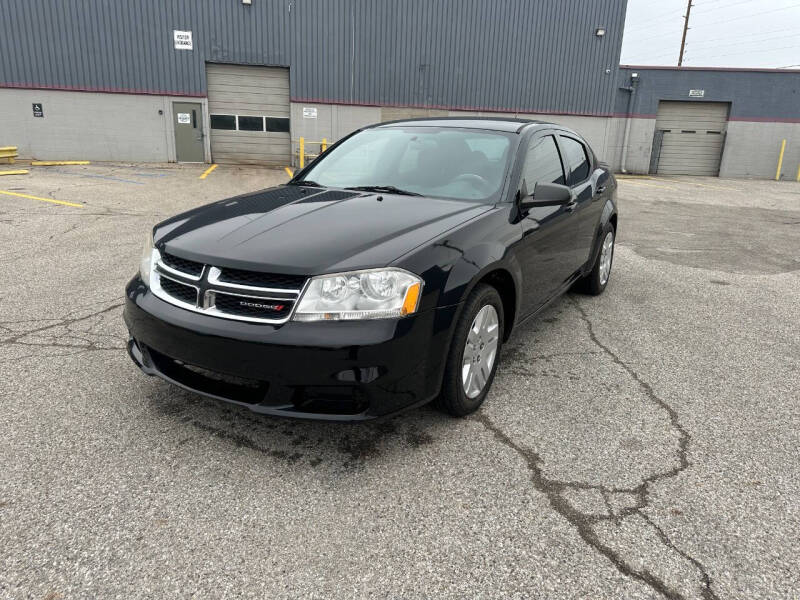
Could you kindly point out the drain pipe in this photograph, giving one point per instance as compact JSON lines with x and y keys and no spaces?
{"x":632,"y":90}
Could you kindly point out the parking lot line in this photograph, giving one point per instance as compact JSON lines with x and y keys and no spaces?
{"x":207,"y":171}
{"x":51,"y":200}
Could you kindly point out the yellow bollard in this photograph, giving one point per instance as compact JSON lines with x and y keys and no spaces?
{"x":780,"y":161}
{"x":798,"y":173}
{"x":324,"y":144}
{"x":302,"y":152}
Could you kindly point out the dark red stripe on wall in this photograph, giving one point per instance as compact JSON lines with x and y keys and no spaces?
{"x":452,"y":107}
{"x":104,"y":90}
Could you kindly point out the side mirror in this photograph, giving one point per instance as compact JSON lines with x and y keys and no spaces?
{"x":546,"y":194}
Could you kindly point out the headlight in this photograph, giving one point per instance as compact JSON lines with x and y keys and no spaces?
{"x":149,"y":256}
{"x":371,"y":294}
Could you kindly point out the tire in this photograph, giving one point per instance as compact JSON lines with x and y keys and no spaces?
{"x":455,"y":399}
{"x":595,"y":282}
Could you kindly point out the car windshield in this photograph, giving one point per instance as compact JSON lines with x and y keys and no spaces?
{"x":443,"y":162}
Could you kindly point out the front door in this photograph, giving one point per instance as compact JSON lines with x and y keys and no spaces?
{"x":188,"y":122}
{"x":546,"y":249}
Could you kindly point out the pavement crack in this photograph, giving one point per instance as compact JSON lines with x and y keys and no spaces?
{"x":553,"y":491}
{"x":586,"y":525}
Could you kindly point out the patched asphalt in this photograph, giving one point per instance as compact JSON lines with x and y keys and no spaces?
{"x":643,"y":444}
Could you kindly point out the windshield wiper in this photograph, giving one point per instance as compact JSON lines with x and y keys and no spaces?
{"x":386,"y":189}
{"x":307,"y":182}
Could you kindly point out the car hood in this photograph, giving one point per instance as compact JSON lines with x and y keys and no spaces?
{"x":309,"y":231}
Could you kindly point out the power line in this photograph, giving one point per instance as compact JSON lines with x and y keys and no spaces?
{"x":754,"y":52}
{"x":763,"y":33}
{"x":707,"y":46}
{"x":726,"y":7}
{"x":724,"y":21}
{"x":766,"y":12}
{"x":659,"y":16}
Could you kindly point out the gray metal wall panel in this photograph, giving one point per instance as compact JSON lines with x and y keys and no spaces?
{"x":754,"y":95}
{"x":515,"y":55}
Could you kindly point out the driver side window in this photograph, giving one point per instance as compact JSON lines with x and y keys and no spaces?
{"x":543,"y":163}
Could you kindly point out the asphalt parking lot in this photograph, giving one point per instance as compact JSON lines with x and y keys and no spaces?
{"x":643,"y":444}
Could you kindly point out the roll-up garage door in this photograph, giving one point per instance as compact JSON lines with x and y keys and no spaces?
{"x":249,"y":109}
{"x":692,"y":135}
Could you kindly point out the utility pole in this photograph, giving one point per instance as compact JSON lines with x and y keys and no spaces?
{"x":685,"y":30}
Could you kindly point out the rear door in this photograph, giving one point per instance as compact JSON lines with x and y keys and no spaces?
{"x":586,"y":209}
{"x":545,"y":251}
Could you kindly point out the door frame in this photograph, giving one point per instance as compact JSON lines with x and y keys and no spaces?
{"x":169,"y":126}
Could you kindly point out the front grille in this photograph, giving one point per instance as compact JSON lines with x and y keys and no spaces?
{"x":260,"y":308}
{"x":184,"y":293}
{"x":181,"y":264}
{"x":227,"y":293}
{"x":264,"y":280}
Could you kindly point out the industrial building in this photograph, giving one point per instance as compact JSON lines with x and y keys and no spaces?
{"x":241,"y":81}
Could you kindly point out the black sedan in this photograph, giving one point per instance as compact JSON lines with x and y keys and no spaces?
{"x":386,"y":274}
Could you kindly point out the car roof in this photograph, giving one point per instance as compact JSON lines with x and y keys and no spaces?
{"x":507,"y":124}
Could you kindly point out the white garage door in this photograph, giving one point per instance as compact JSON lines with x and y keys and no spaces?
{"x":693,"y":137}
{"x":249,"y":108}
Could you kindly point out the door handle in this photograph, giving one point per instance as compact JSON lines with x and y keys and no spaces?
{"x":571,"y":205}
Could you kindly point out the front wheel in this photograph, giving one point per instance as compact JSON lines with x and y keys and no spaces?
{"x":472,"y":362}
{"x":596,"y":281}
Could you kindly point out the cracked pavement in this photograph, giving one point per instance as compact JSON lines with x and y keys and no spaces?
{"x":642,"y":444}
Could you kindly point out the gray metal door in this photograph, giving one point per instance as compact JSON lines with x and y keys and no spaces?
{"x":188,"y":121}
{"x":249,"y":108}
{"x":693,"y":137}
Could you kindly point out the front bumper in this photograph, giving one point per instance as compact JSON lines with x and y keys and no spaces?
{"x":336,"y":371}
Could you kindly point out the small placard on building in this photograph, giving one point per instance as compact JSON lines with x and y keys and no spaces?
{"x":184,"y":118}
{"x":697,"y":93}
{"x":38,"y":109}
{"x":309,"y":112}
{"x":182,"y":39}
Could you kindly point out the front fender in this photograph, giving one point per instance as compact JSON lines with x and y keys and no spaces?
{"x":454,"y":263}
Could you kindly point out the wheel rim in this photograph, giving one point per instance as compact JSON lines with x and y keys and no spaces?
{"x":480,"y":351}
{"x":606,"y":254}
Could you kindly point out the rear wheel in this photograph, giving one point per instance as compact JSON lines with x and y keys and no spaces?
{"x":472,"y":362}
{"x":596,"y":281}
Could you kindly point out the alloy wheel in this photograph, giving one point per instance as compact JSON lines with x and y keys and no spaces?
{"x":606,"y":254}
{"x":480,"y":351}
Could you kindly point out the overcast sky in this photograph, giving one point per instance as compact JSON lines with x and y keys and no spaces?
{"x":722,"y":33}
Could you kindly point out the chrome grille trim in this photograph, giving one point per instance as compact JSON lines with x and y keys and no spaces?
{"x":167,"y":269}
{"x":155,"y":286}
{"x":208,"y":283}
{"x":214,"y":275}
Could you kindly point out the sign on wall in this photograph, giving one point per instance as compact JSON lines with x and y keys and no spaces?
{"x":183,"y":118}
{"x":38,"y":109}
{"x":697,"y":93}
{"x":183,"y":39}
{"x":309,"y":112}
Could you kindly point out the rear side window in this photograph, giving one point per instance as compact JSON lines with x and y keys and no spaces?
{"x":577,"y":159}
{"x":542,"y":163}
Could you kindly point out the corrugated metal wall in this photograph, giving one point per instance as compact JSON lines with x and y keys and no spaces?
{"x":765,"y":95}
{"x":512,"y":55}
